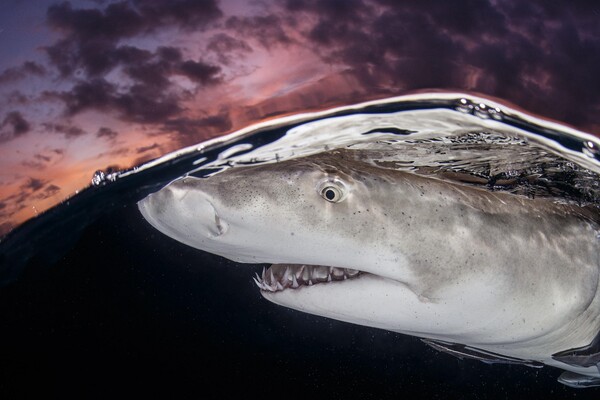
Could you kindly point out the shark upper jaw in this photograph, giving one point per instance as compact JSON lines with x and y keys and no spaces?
{"x":280,"y":277}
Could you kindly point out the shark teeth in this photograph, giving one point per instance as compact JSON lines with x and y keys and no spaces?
{"x":283,"y":276}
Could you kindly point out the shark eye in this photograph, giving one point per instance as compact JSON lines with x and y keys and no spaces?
{"x":331,"y":194}
{"x":332,"y":190}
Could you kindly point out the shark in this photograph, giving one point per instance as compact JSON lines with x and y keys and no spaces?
{"x":479,"y":274}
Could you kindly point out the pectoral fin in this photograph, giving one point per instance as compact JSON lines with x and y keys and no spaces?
{"x":463,"y":351}
{"x":586,"y":356}
{"x":578,"y":381}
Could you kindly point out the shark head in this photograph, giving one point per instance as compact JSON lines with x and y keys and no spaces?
{"x":389,"y":249}
{"x":325,"y":223}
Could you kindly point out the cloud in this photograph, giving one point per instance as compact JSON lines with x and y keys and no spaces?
{"x":49,"y":191}
{"x":268,"y":29}
{"x":42,"y":157}
{"x":154,"y":69}
{"x":192,"y":130}
{"x":185,"y":14}
{"x":16,"y":201}
{"x":33,"y":184}
{"x":90,"y":34}
{"x":33,"y":164}
{"x":227,"y":47}
{"x":40,"y":161}
{"x":68,"y":130}
{"x":26,"y":69}
{"x":143,"y":103}
{"x":143,"y":159}
{"x":117,"y":20}
{"x":544,"y":57}
{"x":150,"y":98}
{"x":31,"y":189}
{"x":13,"y":125}
{"x":144,"y":149}
{"x":106,"y":133}
{"x":200,"y":72}
{"x":16,"y":97}
{"x":96,"y":51}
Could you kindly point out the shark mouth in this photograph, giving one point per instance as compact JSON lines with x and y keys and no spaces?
{"x":280,"y":277}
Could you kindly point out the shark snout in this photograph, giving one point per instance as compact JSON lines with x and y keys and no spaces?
{"x":182,"y":213}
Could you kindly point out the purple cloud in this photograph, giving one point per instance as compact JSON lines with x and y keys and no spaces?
{"x":200,"y":72}
{"x":91,"y":46}
{"x":226,"y":47}
{"x":28,"y":68}
{"x":267,"y":29}
{"x":13,"y":125}
{"x":192,"y":130}
{"x":544,"y":57}
{"x":106,"y":133}
{"x":91,"y":35}
{"x":69,"y":131}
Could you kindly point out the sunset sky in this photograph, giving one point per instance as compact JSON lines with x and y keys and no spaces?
{"x":86,"y":85}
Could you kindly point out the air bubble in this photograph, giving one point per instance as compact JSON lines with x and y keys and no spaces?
{"x":480,"y":110}
{"x":99,"y":178}
{"x":465,"y":106}
{"x":495,"y":113}
{"x":591,"y":149}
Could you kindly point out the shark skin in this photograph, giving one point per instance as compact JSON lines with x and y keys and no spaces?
{"x":494,"y":273}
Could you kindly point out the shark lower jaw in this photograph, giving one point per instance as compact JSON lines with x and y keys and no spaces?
{"x":280,"y":277}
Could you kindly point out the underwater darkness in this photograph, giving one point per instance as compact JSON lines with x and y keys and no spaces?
{"x":129,"y":311}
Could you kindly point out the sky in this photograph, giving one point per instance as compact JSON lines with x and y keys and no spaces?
{"x":100,"y":84}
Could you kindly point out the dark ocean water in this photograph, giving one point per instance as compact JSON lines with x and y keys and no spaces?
{"x":98,"y":303}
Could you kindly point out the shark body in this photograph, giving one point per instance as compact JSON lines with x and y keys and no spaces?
{"x":478,"y":274}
